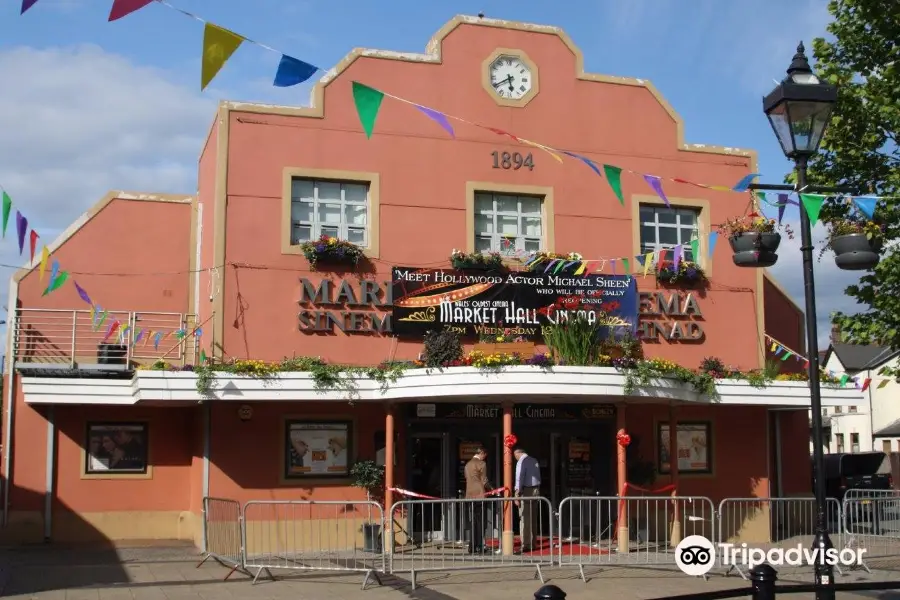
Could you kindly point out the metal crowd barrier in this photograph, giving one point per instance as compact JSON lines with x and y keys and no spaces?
{"x":768,"y":523}
{"x":462,"y":534}
{"x":871,"y":521}
{"x":222,"y":533}
{"x":455,"y":534}
{"x":632,"y":531}
{"x":310,"y":535}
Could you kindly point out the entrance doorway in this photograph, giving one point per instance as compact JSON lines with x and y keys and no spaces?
{"x":428,"y":475}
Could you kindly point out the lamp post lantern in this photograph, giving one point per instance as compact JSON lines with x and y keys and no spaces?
{"x":799,"y":110}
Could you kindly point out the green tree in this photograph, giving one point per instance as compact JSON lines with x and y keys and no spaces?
{"x":862,"y":148}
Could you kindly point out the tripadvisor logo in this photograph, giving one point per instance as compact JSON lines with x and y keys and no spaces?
{"x":695,"y":555}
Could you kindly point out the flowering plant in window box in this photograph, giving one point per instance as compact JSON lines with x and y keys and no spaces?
{"x":331,"y":250}
{"x":491,"y":261}
{"x":688,"y":274}
{"x":541,"y":262}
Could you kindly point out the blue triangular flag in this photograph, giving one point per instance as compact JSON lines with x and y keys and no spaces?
{"x":744,"y":184}
{"x":782,"y":204}
{"x":586,"y":161}
{"x":713,"y":238}
{"x":866,"y":204}
{"x":292,"y":71}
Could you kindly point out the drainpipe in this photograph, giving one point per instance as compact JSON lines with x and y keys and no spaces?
{"x":207,"y":429}
{"x":10,"y":413}
{"x":871,"y":413}
{"x":51,"y":470}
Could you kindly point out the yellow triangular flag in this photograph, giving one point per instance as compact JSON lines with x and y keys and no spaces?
{"x":45,"y":256}
{"x":774,"y":347}
{"x":580,"y":269}
{"x":218,"y":46}
{"x":648,"y":262}
{"x":883,"y":383}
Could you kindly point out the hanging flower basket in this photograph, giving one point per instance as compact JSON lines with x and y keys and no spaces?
{"x":331,"y":251}
{"x":754,"y":240}
{"x":491,"y":261}
{"x":855,"y":252}
{"x":753,"y":249}
{"x":856,"y":244}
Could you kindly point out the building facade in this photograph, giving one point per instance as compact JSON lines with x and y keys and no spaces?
{"x":224,"y":270}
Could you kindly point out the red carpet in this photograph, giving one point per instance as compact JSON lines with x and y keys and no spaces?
{"x":545,"y":547}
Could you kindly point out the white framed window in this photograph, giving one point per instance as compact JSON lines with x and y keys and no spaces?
{"x":854,"y":442}
{"x":839,"y":439}
{"x":506,"y":223}
{"x":663,"y":228}
{"x":852,"y":409}
{"x":333,"y":208}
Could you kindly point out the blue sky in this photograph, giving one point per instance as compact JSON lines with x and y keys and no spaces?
{"x":90,"y":106}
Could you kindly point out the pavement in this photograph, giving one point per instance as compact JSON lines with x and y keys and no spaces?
{"x":168,"y":572}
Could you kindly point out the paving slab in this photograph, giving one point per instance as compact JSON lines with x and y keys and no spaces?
{"x":172,"y":573}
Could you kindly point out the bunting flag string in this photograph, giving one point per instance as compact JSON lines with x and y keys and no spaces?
{"x":783,"y":352}
{"x":219,"y":44}
{"x":57,"y":278}
{"x":368,"y":102}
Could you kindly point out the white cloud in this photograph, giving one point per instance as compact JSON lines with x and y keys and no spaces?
{"x":78,"y":122}
{"x":830,"y":281}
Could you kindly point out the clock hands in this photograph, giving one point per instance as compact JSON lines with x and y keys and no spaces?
{"x":508,"y":81}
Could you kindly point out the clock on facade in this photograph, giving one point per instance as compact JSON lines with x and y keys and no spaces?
{"x":511,"y":77}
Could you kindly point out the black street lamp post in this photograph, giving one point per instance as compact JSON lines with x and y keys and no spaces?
{"x":799,"y":109}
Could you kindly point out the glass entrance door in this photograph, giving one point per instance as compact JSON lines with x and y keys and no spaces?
{"x":428,"y":476}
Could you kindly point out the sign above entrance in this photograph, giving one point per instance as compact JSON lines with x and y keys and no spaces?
{"x":528,"y":412}
{"x":475,"y":303}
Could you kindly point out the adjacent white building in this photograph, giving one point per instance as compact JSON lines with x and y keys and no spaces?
{"x":875,"y":423}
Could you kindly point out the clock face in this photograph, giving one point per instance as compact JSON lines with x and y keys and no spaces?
{"x":510,"y":77}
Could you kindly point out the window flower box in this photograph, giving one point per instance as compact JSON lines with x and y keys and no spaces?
{"x":331,"y":251}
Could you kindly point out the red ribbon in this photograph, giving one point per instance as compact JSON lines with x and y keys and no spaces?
{"x":623,"y":438}
{"x":510,"y":441}
{"x":419,"y":496}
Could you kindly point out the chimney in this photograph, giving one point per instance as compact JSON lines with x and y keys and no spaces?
{"x":835,"y":333}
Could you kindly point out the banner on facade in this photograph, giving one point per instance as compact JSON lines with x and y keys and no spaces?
{"x":475,"y":303}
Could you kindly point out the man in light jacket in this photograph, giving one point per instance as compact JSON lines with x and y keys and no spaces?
{"x":528,"y":485}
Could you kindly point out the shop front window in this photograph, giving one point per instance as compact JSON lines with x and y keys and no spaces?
{"x":508,"y":223}
{"x":332,"y":208}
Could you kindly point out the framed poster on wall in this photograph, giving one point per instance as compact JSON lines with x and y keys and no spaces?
{"x":116,"y":448}
{"x":315,"y":449}
{"x":694,"y":447}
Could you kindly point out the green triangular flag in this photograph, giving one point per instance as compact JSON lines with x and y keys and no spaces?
{"x":626,"y":264}
{"x":844,"y":379}
{"x":614,"y":177}
{"x":7,"y":207}
{"x":368,"y":102}
{"x":813,"y":205}
{"x":695,"y":250}
{"x":57,"y":283}
{"x":786,"y":356}
{"x":202,"y":356}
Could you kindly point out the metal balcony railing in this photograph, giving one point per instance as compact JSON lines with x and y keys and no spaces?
{"x":81,"y":339}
